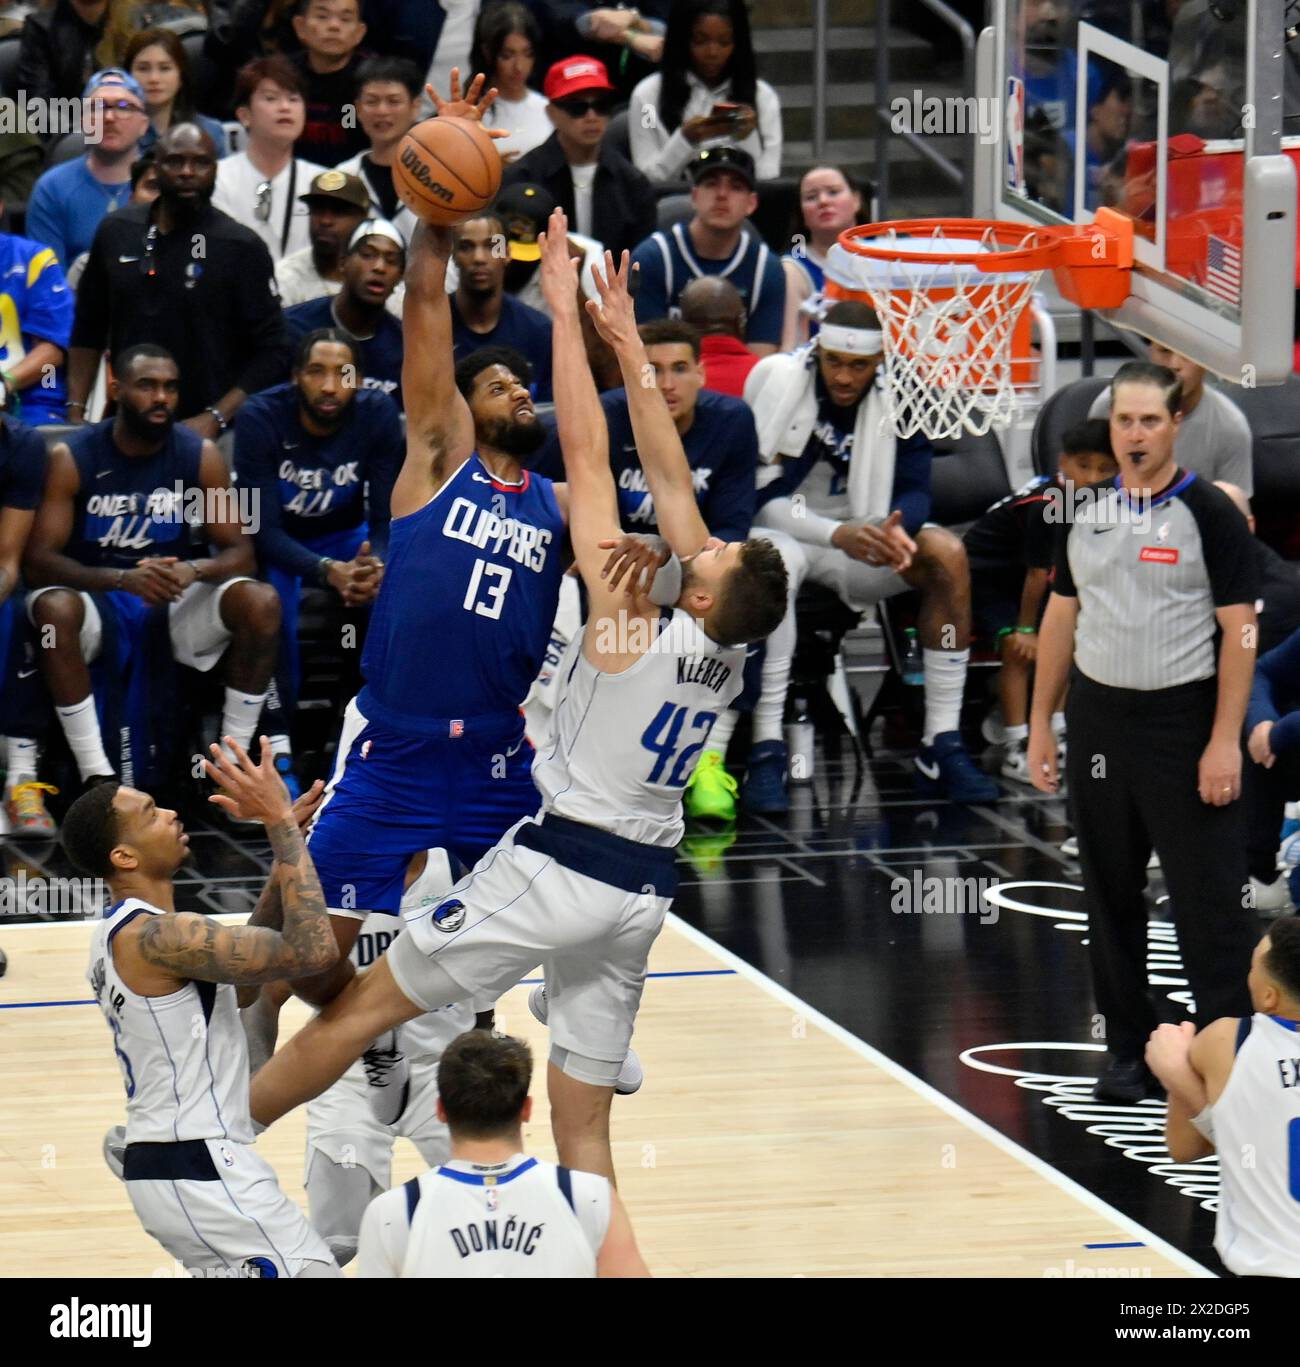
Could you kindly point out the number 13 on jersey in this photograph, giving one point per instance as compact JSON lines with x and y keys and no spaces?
{"x":661,"y":738}
{"x":486,"y":594}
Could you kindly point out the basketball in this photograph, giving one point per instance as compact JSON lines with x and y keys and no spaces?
{"x":446,"y":170}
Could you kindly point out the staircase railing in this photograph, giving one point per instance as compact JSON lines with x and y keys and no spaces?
{"x":959,"y":174}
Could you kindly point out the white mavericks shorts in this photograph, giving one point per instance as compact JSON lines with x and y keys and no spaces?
{"x":217,"y":1208}
{"x":583,"y":903}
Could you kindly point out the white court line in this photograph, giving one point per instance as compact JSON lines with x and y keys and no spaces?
{"x":937,"y":1098}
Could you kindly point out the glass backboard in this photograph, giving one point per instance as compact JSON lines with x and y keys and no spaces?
{"x":1175,"y":115}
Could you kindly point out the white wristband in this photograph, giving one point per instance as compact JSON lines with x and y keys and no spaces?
{"x":666,"y":587}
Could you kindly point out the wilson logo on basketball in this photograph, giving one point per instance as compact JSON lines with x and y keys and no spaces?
{"x":1163,"y":555}
{"x":420,"y":172}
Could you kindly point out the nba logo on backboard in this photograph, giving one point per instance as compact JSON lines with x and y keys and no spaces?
{"x":1014,"y":157}
{"x":455,"y":729}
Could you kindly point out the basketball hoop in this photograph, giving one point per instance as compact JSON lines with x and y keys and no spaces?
{"x":951,"y":295}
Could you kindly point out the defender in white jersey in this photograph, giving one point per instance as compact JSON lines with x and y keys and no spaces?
{"x":349,"y":1151}
{"x":490,"y":1211}
{"x":583,"y":887}
{"x":1235,"y":1089}
{"x":165,"y":984}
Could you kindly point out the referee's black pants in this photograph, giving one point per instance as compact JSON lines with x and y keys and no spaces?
{"x":1132,"y":773}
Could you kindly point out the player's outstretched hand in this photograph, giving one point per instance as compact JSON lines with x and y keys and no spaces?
{"x":250,"y":792}
{"x":304,"y":806}
{"x":473,"y":104}
{"x":613,"y":313}
{"x":638,"y":558}
{"x":559,"y":273}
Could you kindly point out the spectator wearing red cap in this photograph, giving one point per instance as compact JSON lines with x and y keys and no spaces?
{"x":603,"y":194}
{"x":628,"y":40}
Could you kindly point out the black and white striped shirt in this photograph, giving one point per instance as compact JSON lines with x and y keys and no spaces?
{"x":1149,"y":575}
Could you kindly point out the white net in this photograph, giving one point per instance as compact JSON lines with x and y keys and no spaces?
{"x":950,"y":364}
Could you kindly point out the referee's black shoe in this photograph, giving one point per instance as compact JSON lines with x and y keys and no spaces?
{"x":1128,"y":1081}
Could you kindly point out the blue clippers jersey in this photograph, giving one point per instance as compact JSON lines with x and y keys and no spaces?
{"x":464,"y":615}
{"x":132,"y":507}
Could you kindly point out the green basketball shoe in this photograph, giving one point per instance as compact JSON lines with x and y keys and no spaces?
{"x":711,"y":793}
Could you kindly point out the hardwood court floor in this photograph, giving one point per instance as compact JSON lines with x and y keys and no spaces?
{"x":765,"y":1142}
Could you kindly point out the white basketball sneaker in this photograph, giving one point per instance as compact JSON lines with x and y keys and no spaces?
{"x":1015,"y":762}
{"x":388,"y":1075}
{"x":537,"y":1003}
{"x":630,"y":1076}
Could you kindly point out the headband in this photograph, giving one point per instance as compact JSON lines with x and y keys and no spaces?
{"x":854,"y":341}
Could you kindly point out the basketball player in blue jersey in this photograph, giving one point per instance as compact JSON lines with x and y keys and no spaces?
{"x":582,"y":888}
{"x":1234,"y":1089}
{"x":113,"y":540}
{"x":433,"y":752}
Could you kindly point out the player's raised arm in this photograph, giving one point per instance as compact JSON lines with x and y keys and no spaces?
{"x":657,"y":441}
{"x":580,"y":420}
{"x":439,"y":428}
{"x":187,"y":945}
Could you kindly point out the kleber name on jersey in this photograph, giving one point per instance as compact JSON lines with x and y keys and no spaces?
{"x":706,"y":672}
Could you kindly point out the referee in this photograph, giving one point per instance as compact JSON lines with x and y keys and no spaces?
{"x":1154,"y":576}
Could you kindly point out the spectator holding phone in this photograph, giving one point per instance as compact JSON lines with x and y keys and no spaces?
{"x":706,"y":93}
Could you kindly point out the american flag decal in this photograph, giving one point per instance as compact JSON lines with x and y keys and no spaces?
{"x":455,"y":729}
{"x":1223,"y":269}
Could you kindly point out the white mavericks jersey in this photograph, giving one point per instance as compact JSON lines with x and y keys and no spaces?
{"x":183,"y":1056}
{"x":1258,"y":1113}
{"x":522,"y":1218}
{"x":624,"y":745}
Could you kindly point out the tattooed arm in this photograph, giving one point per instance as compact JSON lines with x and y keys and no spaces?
{"x":268,"y":911}
{"x":191,"y":946}
{"x":186,"y":945}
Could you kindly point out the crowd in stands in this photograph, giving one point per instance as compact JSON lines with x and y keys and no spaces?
{"x":206,"y":294}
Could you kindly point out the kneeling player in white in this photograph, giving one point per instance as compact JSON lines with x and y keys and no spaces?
{"x":584,"y":886}
{"x":1235,"y":1089}
{"x":349,"y":1151}
{"x":490,"y":1211}
{"x":164,"y":982}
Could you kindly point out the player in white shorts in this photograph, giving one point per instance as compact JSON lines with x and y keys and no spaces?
{"x":490,"y":1211}
{"x":349,"y":1152}
{"x":164,"y":981}
{"x":1234,"y":1089}
{"x":582,"y":887}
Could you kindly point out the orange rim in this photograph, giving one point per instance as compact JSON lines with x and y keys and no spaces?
{"x":1088,"y":276}
{"x":1028,"y":256}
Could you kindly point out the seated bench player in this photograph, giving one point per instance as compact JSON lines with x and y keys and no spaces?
{"x":111,"y":548}
{"x":22,"y":472}
{"x":322,"y":453}
{"x":1011,"y":550}
{"x":847,"y":503}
